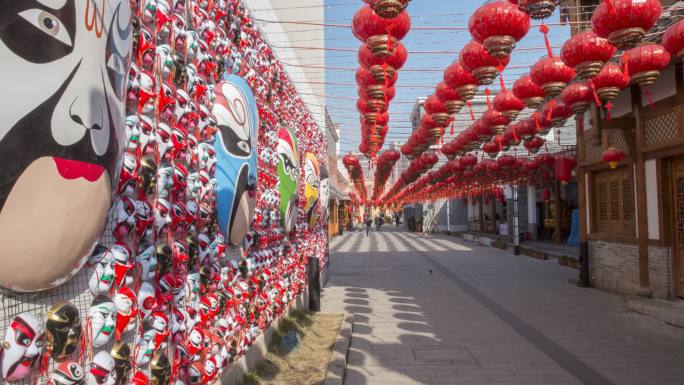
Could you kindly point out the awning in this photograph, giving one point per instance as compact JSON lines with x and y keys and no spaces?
{"x":337,"y":194}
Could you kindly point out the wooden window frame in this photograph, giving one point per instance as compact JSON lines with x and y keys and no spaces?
{"x":621,"y":230}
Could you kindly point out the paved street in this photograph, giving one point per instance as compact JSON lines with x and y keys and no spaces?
{"x":436,"y":310}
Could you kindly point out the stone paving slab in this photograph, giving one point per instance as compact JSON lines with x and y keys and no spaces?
{"x":517,"y":318}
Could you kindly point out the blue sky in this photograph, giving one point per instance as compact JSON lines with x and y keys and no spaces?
{"x":423,"y":13}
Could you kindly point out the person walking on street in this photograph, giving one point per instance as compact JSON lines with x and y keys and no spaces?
{"x":369,"y":222}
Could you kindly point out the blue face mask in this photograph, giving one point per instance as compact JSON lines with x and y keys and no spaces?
{"x":236,"y":163}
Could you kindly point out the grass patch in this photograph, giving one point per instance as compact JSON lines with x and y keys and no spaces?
{"x":307,"y":363}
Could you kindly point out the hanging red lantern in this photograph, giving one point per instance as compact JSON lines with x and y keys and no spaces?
{"x":528,"y":91}
{"x":612,"y":156}
{"x":477,"y":60}
{"x":537,"y":9}
{"x":533,"y":144}
{"x":673,"y":39}
{"x":506,"y":161}
{"x":562,"y":167}
{"x":388,"y":9}
{"x":495,"y":121}
{"x":610,"y":82}
{"x":450,"y":97}
{"x":509,"y":105}
{"x":435,"y":107}
{"x":578,"y":96}
{"x":468,"y":161}
{"x":383,"y":67}
{"x":491,"y":149}
{"x":366,"y":78}
{"x":499,"y":25}
{"x":625,"y":22}
{"x":552,"y":75}
{"x":525,"y":129}
{"x":645,"y":62}
{"x":462,"y":80}
{"x":560,"y":114}
{"x":587,"y":53}
{"x":379,"y":33}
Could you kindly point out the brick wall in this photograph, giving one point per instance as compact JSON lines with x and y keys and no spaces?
{"x":615,"y":267}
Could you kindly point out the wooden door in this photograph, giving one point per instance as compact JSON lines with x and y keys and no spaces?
{"x":678,"y":220}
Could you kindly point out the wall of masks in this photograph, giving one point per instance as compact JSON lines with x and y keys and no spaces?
{"x":166,"y":188}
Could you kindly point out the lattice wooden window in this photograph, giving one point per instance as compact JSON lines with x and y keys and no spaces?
{"x":613,"y":197}
{"x":660,"y":129}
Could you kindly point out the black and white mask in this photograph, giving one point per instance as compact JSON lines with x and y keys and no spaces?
{"x":65,"y":67}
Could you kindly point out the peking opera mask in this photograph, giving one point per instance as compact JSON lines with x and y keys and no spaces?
{"x":102,"y":320}
{"x":68,"y":373}
{"x":324,"y":192}
{"x":101,"y":266}
{"x":100,"y":369}
{"x":160,"y":369}
{"x":121,"y":354}
{"x":62,"y":132}
{"x":311,"y":187}
{"x":22,"y":347}
{"x":235,"y":142}
{"x":288,"y":175}
{"x":63,"y":328}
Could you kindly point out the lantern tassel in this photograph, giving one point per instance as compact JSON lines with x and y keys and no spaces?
{"x":649,"y":96}
{"x":501,"y":68}
{"x":544,"y":29}
{"x":552,"y":106}
{"x":593,"y":91}
{"x":452,"y":128}
{"x":489,"y":100}
{"x":470,"y":108}
{"x":609,"y":109}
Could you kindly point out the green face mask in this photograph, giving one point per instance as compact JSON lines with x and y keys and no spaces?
{"x":288,"y":175}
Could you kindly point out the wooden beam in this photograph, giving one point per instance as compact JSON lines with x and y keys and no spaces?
{"x":641,"y":204}
{"x":493,"y":215}
{"x":480,"y":212}
{"x":581,"y":187}
{"x":626,"y":123}
{"x":558,"y":233}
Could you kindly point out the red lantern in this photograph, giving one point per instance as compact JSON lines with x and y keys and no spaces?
{"x":476,"y":59}
{"x":528,"y":91}
{"x":506,"y":161}
{"x":610,"y":81}
{"x":625,"y":22}
{"x":388,"y":8}
{"x":450,"y":97}
{"x":366,"y":78}
{"x":382,"y":67}
{"x":578,"y":96}
{"x":435,"y":107}
{"x":468,"y":161}
{"x":525,"y":129}
{"x":462,"y":80}
{"x":499,"y":25}
{"x":563,"y":169}
{"x":587,"y":53}
{"x":537,"y":9}
{"x":495,"y":121}
{"x":533,"y":144}
{"x":380,"y":34}
{"x":673,"y":39}
{"x":560,"y":114}
{"x":613,"y":156}
{"x":509,"y":105}
{"x":546,"y":194}
{"x":552,"y":75}
{"x":645,"y":62}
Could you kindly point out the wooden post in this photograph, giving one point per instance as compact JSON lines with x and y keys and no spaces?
{"x":480,"y":212}
{"x":641,"y":208}
{"x":558,"y":233}
{"x":493,"y":215}
{"x":582,"y":197}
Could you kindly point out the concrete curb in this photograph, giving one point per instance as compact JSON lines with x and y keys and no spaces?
{"x":340,"y":353}
{"x":236,"y":371}
{"x":670,"y":312}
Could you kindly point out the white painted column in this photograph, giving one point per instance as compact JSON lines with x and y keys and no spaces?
{"x":532,"y":210}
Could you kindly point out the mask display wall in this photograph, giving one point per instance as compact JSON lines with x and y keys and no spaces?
{"x":61,"y":135}
{"x":203,"y":245}
{"x":288,"y":176}
{"x":236,"y":115}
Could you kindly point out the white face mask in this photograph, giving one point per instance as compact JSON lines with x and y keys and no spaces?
{"x":65,"y":67}
{"x":101,"y":272}
{"x":22,"y":347}
{"x":102,"y":316}
{"x":100,"y":369}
